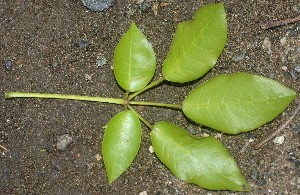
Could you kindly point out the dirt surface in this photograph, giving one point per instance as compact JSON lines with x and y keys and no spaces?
{"x":58,"y":47}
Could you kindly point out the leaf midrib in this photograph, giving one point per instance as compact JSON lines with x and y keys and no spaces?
{"x":235,"y":102}
{"x":186,"y":151}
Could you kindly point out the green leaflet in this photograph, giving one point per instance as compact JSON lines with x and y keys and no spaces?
{"x":121,"y":143}
{"x":197,"y":44}
{"x":237,"y":102}
{"x":134,"y":60}
{"x":202,"y":161}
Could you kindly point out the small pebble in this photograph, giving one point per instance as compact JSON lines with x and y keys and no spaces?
{"x":254,"y":174}
{"x":292,"y":155}
{"x":151,"y":149}
{"x":283,"y":41}
{"x":192,"y":129}
{"x":155,"y":8}
{"x":297,"y":68}
{"x":296,"y":128}
{"x":88,"y":77}
{"x":278,"y":140}
{"x":267,"y":45}
{"x":139,"y":2}
{"x":63,"y":141}
{"x":293,"y":75}
{"x":101,"y":61}
{"x":82,"y":43}
{"x":145,"y":6}
{"x":98,"y":157}
{"x":284,"y":68}
{"x":143,"y":193}
{"x":297,"y":164}
{"x":8,"y":64}
{"x":239,"y":56}
{"x":97,"y":5}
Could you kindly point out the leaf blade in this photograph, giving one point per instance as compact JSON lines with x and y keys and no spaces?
{"x":201,"y":49}
{"x":238,"y":102}
{"x":121,"y":143}
{"x":134,"y":60}
{"x":202,"y":161}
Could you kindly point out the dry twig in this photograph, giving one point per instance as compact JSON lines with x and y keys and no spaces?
{"x":272,"y":24}
{"x":279,"y":129}
{"x":3,"y":148}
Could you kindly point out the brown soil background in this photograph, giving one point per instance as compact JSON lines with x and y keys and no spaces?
{"x":40,"y":38}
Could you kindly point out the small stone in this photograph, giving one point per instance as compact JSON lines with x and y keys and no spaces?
{"x":101,"y":61}
{"x":145,"y":6}
{"x":155,"y":8}
{"x":139,"y":2}
{"x":292,"y":155}
{"x":254,"y":174}
{"x":239,"y":56}
{"x":143,"y":193}
{"x":192,"y":129}
{"x":297,"y":164}
{"x":284,"y":68}
{"x":63,"y":141}
{"x":8,"y":64}
{"x":88,"y":77}
{"x":271,"y":75}
{"x":267,"y":45}
{"x":278,"y":140}
{"x":218,"y":135}
{"x":245,"y":147}
{"x":293,"y":75}
{"x":283,"y":41}
{"x":82,"y":43}
{"x":97,"y":5}
{"x":261,"y":162}
{"x":98,"y":157}
{"x":251,"y":140}
{"x":295,"y":8}
{"x":296,"y":128}
{"x":297,"y":68}
{"x":151,"y":149}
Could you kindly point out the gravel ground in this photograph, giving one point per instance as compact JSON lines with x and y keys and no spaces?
{"x":62,"y":47}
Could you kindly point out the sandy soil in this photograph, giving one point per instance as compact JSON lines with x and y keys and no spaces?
{"x":56,"y":47}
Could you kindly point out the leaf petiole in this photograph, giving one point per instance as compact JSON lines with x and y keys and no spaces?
{"x":63,"y":96}
{"x":141,"y":118}
{"x":175,"y":106}
{"x":145,"y":88}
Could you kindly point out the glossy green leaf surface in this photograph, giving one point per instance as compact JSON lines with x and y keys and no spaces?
{"x":121,"y":143}
{"x":202,"y":161}
{"x":238,"y":102}
{"x":134,"y":60}
{"x":197,"y":44}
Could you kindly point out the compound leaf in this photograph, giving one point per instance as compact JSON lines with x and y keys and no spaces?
{"x":202,"y":161}
{"x":238,"y":102}
{"x":134,"y":60}
{"x":197,"y":44}
{"x":121,"y":143}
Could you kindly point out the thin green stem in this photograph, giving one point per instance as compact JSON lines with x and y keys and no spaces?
{"x":64,"y":96}
{"x":126,"y":95}
{"x":176,"y":106}
{"x":141,"y":118}
{"x":125,"y":98}
{"x":147,"y":87}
